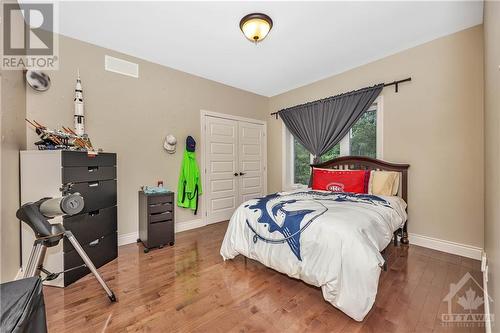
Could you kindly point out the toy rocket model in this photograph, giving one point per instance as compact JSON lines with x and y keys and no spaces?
{"x":79,"y":112}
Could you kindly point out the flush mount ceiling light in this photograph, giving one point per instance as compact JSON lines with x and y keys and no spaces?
{"x":256,"y":26}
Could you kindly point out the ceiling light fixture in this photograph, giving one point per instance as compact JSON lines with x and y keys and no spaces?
{"x":256,"y":26}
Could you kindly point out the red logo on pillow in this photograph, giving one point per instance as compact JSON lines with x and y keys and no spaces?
{"x":354,"y":181}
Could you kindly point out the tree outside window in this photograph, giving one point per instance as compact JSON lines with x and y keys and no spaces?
{"x":301,"y":164}
{"x":364,"y":135}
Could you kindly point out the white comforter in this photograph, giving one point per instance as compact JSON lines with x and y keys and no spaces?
{"x":332,"y":241}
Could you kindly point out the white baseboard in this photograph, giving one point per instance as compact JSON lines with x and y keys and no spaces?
{"x":19,"y":274}
{"x":129,"y":238}
{"x":188,"y":225}
{"x":132,"y":237}
{"x":463,"y":250}
{"x":486,"y":297}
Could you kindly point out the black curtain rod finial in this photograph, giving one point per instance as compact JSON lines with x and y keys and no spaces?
{"x":396,"y":84}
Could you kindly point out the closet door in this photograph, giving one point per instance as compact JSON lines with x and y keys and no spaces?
{"x":221,"y":159}
{"x":251,"y":160}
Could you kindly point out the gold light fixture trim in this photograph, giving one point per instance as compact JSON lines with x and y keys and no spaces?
{"x":256,"y":26}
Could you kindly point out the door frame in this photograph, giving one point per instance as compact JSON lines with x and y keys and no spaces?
{"x":203,"y":116}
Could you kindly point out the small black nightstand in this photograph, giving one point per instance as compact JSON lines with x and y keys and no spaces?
{"x":156,"y":220}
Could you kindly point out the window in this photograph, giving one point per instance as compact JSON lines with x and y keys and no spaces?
{"x":301,"y":162}
{"x":364,"y":139}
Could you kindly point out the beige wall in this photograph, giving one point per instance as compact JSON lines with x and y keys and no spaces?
{"x":492,"y":147}
{"x":13,"y":137}
{"x":13,"y":134}
{"x":132,"y":116}
{"x":435,"y":123}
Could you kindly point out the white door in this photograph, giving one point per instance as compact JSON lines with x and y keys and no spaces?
{"x":235,"y":164}
{"x":251,"y":158}
{"x":221,"y":188}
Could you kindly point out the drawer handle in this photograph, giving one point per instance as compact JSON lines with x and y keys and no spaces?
{"x":92,"y":168}
{"x":160,"y":204}
{"x":162,"y":221}
{"x":94,"y":184}
{"x":94,"y":243}
{"x":160,"y":213}
{"x":94,"y":213}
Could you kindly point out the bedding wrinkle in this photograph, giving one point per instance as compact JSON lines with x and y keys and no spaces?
{"x":340,"y":237}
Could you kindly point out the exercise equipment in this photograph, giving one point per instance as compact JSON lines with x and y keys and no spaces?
{"x":35,"y":215}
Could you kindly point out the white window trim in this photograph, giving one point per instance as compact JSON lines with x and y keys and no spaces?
{"x":287,"y":147}
{"x":380,"y":127}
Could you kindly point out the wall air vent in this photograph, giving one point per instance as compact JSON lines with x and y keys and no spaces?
{"x":121,"y":66}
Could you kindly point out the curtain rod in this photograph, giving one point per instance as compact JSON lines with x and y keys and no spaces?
{"x":393,"y":83}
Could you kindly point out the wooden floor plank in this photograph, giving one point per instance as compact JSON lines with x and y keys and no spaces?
{"x":189,"y":288}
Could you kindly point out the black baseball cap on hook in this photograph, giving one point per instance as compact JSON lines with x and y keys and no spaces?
{"x":190,"y":144}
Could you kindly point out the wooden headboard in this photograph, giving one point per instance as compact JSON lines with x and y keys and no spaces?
{"x":368,"y":163}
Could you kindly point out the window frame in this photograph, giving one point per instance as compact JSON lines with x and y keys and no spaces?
{"x":288,"y":147}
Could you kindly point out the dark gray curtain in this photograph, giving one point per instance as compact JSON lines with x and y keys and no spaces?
{"x":320,"y":125}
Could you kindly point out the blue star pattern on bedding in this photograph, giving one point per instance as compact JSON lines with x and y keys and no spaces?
{"x":277,"y":217}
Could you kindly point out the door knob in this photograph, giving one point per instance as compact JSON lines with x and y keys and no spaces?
{"x":242,"y":173}
{"x":236,"y":174}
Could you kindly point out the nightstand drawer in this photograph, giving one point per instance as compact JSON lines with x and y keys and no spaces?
{"x":161,"y":234}
{"x":159,"y":217}
{"x":159,"y":208}
{"x":160,"y":199}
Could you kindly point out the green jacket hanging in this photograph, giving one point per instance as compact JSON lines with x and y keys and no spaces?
{"x":189,"y":188}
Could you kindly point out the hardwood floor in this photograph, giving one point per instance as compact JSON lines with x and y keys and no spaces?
{"x":188,"y":288}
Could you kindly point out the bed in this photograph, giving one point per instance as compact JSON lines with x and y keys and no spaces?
{"x":334,"y":241}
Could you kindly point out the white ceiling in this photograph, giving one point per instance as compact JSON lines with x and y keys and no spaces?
{"x":309,"y":40}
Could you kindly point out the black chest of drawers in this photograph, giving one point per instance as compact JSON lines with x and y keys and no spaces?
{"x":156,"y":220}
{"x":44,"y":174}
{"x":96,"y":226}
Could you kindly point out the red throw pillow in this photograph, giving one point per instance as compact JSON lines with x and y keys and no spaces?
{"x":354,"y":181}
